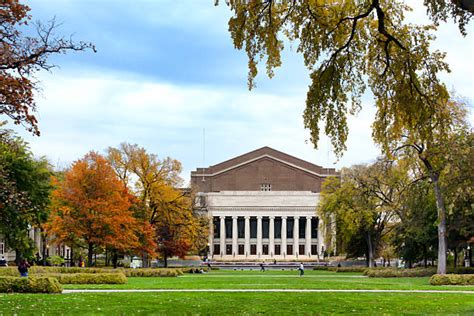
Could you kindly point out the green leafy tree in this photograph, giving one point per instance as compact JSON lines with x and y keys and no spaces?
{"x":415,"y":233}
{"x":24,"y":193}
{"x":348,"y":47}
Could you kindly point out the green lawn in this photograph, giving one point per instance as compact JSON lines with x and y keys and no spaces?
{"x":219,"y":303}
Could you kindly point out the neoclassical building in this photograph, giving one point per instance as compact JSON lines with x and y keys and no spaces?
{"x":263,"y":206}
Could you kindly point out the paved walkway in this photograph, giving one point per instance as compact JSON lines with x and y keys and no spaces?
{"x":259,"y":290}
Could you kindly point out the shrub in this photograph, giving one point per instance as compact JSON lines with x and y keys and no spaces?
{"x":29,"y":285}
{"x":399,"y":273}
{"x":151,"y":272}
{"x":348,"y":269}
{"x":325,"y":268}
{"x":452,"y":279}
{"x":55,"y":260}
{"x":91,"y":278}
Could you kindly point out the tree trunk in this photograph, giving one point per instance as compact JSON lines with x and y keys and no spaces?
{"x":370,"y":250}
{"x":442,"y":242}
{"x":442,"y":247}
{"x":17,"y":257}
{"x":115,"y":258}
{"x":455,"y":257}
{"x":166,"y":260}
{"x":145,"y":260}
{"x":90,"y":252}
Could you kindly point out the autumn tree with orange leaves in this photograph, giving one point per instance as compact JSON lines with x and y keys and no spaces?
{"x":22,"y":56}
{"x":92,"y":209}
{"x":178,"y":228}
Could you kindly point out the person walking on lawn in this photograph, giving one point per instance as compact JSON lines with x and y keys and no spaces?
{"x":301,"y":268}
{"x":23,"y":268}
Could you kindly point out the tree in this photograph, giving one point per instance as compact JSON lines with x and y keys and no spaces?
{"x":168,"y":209}
{"x":350,"y":46}
{"x":24,"y":193}
{"x":22,"y":56}
{"x":415,"y":235}
{"x":92,"y":208}
{"x":364,"y":203}
{"x":434,"y":144}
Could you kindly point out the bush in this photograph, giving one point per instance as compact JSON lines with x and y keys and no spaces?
{"x":55,"y":260}
{"x":151,"y":272}
{"x":29,"y":285}
{"x":399,"y":273}
{"x":324,"y":268}
{"x":348,"y":269}
{"x":452,"y":279}
{"x":91,"y":278}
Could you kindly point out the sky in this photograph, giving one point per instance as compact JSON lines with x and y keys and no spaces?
{"x":167,"y":77}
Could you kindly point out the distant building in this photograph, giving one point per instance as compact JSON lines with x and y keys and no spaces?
{"x":263,"y":206}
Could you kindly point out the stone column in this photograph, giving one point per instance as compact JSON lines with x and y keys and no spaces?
{"x":296,"y":236}
{"x":308,"y":235}
{"x":222,"y":237}
{"x":283,"y":235}
{"x":211,"y":236}
{"x":234,"y":236}
{"x":271,"y":236}
{"x":259,"y":235}
{"x":320,"y":238}
{"x":247,"y":235}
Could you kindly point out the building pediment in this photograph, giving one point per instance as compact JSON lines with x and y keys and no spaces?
{"x":264,"y":168}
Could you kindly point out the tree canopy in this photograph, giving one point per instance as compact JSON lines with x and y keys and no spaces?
{"x":22,"y":56}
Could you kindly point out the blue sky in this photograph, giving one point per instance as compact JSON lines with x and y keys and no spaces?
{"x":165,"y":70}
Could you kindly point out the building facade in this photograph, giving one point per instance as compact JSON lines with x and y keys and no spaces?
{"x":262,"y":205}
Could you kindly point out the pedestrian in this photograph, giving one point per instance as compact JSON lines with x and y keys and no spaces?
{"x":262,"y":267}
{"x":274,"y":261}
{"x":3,"y":262}
{"x":301,"y":268}
{"x":23,"y":268}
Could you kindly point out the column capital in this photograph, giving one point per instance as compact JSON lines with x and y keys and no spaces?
{"x":235,"y":217}
{"x":284,"y":217}
{"x":296,"y":217}
{"x":271,"y":217}
{"x":309,"y":217}
{"x":222,"y":217}
{"x":259,"y":217}
{"x":247,"y":217}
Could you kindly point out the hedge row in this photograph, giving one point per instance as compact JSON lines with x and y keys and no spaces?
{"x":399,"y":273}
{"x":452,"y":279}
{"x":29,"y":285}
{"x":348,"y":269}
{"x":321,"y":268}
{"x":90,"y":278}
{"x":151,"y":272}
{"x":141,"y":272}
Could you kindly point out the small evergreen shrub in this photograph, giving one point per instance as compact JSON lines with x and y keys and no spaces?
{"x":151,"y":272}
{"x":452,"y":279}
{"x":399,"y":273}
{"x":321,"y":268}
{"x":91,"y":278}
{"x":348,"y":269}
{"x":29,"y":285}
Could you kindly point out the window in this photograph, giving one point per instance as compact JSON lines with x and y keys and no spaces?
{"x":289,"y":249}
{"x":241,"y":249}
{"x":217,"y":249}
{"x":277,"y":230}
{"x":265,"y":227}
{"x":253,"y":227}
{"x":302,"y":227}
{"x":217,"y":227}
{"x":314,"y":227}
{"x":314,"y":249}
{"x":2,"y":248}
{"x":228,"y":249}
{"x":240,"y":227}
{"x":301,"y":250}
{"x":228,"y":227}
{"x":277,"y":250}
{"x":265,"y":187}
{"x":290,"y":223}
{"x":253,"y":249}
{"x":265,"y":249}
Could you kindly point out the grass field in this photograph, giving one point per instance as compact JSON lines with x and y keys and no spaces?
{"x":249,"y":303}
